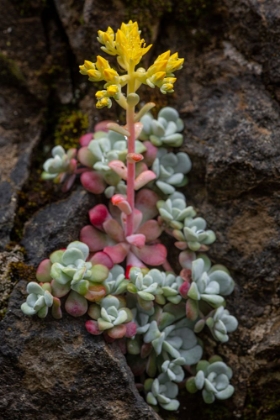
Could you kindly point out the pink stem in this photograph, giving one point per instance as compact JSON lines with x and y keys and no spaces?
{"x":130,"y":169}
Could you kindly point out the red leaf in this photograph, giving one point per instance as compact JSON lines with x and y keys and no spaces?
{"x":151,"y":254}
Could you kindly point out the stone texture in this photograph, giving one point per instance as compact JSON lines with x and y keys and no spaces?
{"x":228,"y":95}
{"x":55,"y":369}
{"x":58,"y":224}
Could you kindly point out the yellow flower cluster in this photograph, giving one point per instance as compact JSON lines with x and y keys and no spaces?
{"x":127,"y":44}
{"x":129,"y":48}
{"x":101,"y":70}
{"x":160,"y":74}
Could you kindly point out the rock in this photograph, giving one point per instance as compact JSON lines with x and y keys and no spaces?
{"x":55,"y":369}
{"x":58,"y":223}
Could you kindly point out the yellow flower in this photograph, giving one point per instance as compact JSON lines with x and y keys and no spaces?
{"x":113,"y":90}
{"x":100,"y":94}
{"x":110,"y":75}
{"x":167,"y":88}
{"x":104,"y":102}
{"x":130,"y":47}
{"x":102,"y":99}
{"x":88,"y":65}
{"x":174,"y":63}
{"x":94,"y":75}
{"x":108,"y":40}
{"x":101,"y":63}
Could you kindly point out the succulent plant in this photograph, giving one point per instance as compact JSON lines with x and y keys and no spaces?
{"x":173,"y":369}
{"x":144,"y":285}
{"x":38,"y":301}
{"x":71,"y":270}
{"x":209,"y":284}
{"x":116,"y":282}
{"x":161,"y":391}
{"x":60,"y":163}
{"x":154,"y":313}
{"x":170,"y":170}
{"x":213,"y":379}
{"x":169,"y":284}
{"x":220,"y":323}
{"x":165,"y":130}
{"x":174,"y":210}
{"x":193,"y":235}
{"x":107,"y":238}
{"x":104,"y":148}
{"x":176,"y":340}
{"x":111,"y":317}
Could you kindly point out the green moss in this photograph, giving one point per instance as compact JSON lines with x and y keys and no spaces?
{"x":21,"y":271}
{"x":15,"y":271}
{"x":70,"y":126}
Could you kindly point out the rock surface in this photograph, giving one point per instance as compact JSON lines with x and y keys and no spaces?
{"x":228,"y":95}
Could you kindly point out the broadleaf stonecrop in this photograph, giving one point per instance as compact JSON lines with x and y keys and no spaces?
{"x":118,"y":271}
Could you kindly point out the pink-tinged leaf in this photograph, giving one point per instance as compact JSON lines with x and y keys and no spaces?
{"x":93,"y":182}
{"x":102,"y":126}
{"x":76,"y":305}
{"x":92,"y":327}
{"x":186,"y":274}
{"x":93,"y":238}
{"x":140,"y":167}
{"x":68,"y":183}
{"x":95,"y":293}
{"x":181,"y":245}
{"x":131,"y":329}
{"x":191,"y":309}
{"x":72,"y":165}
{"x":134,"y":157}
{"x":151,"y":254}
{"x":56,"y":308}
{"x":86,"y":157}
{"x":138,"y":126}
{"x":119,"y":129}
{"x":114,"y":230}
{"x":151,"y":230}
{"x":146,"y":202}
{"x":120,"y":201}
{"x":137,"y":219}
{"x":72,"y":153}
{"x":102,"y":258}
{"x":60,"y":290}
{"x":119,"y":167}
{"x":184,"y":288}
{"x":150,"y":154}
{"x":118,"y":252}
{"x":86,"y":139}
{"x":98,"y":215}
{"x":186,"y":258}
{"x":43,"y":273}
{"x":133,"y":261}
{"x":117,"y":332}
{"x":115,"y":212}
{"x":137,"y":239}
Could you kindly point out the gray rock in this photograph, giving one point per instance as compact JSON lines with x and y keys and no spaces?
{"x":55,"y":369}
{"x":56,"y":225}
